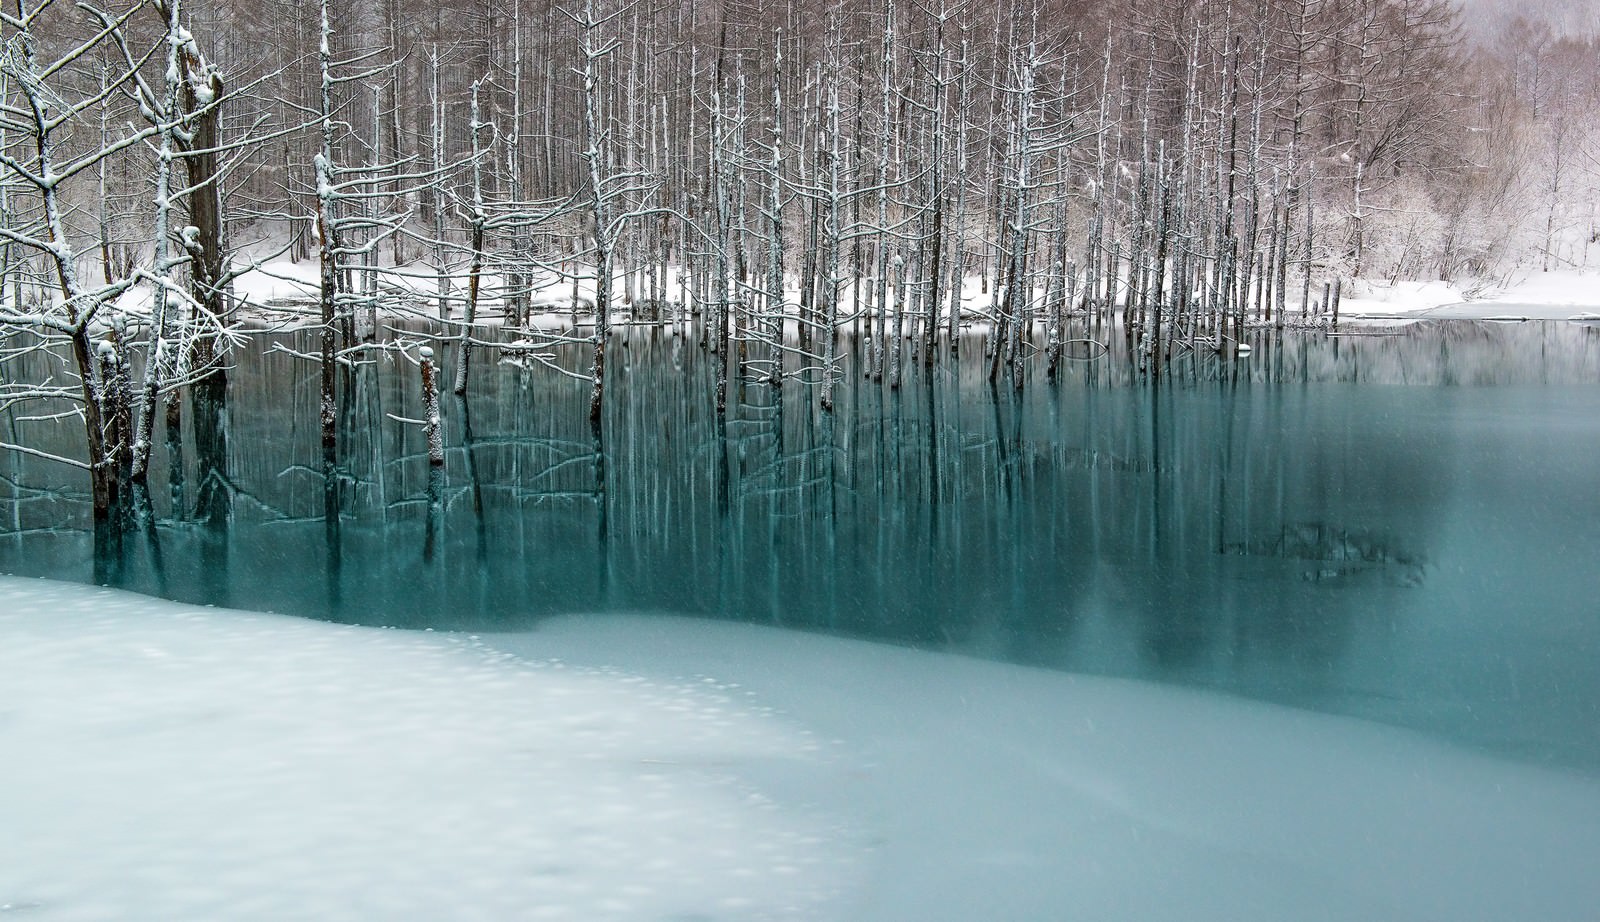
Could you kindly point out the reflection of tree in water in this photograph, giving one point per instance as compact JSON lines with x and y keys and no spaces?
{"x":1335,"y":553}
{"x":1448,"y":353}
{"x":164,"y":533}
{"x":1206,"y":528}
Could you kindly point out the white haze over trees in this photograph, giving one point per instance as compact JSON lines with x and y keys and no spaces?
{"x":1578,"y":20}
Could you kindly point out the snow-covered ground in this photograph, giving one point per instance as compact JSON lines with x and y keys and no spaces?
{"x":1003,"y":792}
{"x":160,"y":761}
{"x":1537,"y":296}
{"x":290,"y":289}
{"x":166,"y":762}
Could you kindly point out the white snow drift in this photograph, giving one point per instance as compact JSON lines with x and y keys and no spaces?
{"x":159,"y":761}
{"x":166,"y":762}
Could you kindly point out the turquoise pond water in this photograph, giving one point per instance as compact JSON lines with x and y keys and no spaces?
{"x":1403,"y":527}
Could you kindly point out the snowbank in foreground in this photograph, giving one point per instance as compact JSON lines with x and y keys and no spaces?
{"x":167,"y":762}
{"x":160,"y":761}
{"x":1004,"y":793}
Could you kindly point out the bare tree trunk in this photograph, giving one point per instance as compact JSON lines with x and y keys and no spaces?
{"x":432,"y":430}
{"x":595,"y":50}
{"x":328,"y":245}
{"x":476,"y":221}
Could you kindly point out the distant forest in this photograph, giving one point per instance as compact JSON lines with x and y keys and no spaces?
{"x":1191,"y":165}
{"x":1422,"y":148}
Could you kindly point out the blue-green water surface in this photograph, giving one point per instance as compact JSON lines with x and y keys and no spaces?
{"x":1400,"y":527}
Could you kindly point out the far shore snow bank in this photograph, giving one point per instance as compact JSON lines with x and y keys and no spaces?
{"x":1558,"y":295}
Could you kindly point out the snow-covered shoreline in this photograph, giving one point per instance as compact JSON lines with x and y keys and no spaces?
{"x":168,"y":762}
{"x":1539,"y":296}
{"x":1005,"y":792}
{"x":280,"y":291}
{"x":172,"y":762}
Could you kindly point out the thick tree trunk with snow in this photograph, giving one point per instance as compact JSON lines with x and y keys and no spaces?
{"x":432,"y":429}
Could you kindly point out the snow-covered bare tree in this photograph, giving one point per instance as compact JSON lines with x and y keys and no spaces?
{"x":53,"y":66}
